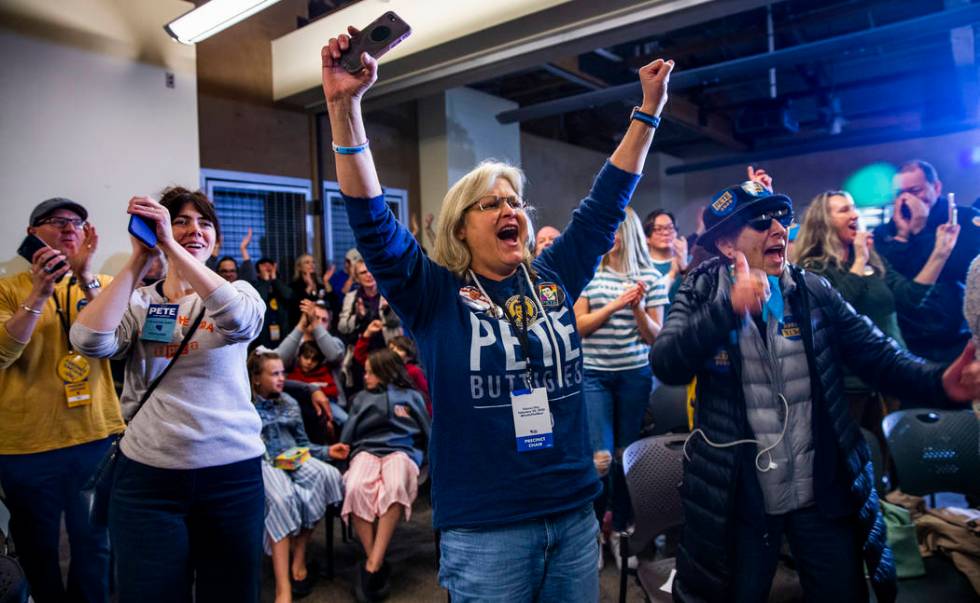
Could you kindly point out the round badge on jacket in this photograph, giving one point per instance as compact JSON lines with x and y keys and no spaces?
{"x":520,"y":307}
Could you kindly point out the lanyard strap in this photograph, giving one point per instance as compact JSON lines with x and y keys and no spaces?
{"x":65,"y":317}
{"x":519,"y":327}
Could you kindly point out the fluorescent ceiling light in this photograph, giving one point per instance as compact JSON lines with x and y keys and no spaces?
{"x":212,"y":17}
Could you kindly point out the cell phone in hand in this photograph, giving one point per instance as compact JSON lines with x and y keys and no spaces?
{"x":144,"y":230}
{"x":951,"y":199}
{"x":32,"y":245}
{"x":383,"y":34}
{"x":906,"y":212}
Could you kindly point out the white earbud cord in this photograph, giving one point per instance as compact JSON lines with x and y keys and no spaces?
{"x":772,"y":465}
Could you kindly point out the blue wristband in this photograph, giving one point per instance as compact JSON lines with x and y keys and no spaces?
{"x":651,"y":120}
{"x":350,"y":150}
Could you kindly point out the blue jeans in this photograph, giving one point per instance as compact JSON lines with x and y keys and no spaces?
{"x":547,"y":559}
{"x":38,"y":488}
{"x":827,"y":552}
{"x":616,"y":401}
{"x":173,"y":528}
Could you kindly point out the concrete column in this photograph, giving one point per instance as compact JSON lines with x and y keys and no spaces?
{"x":457,"y":130}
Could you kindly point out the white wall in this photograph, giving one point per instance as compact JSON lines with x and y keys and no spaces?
{"x":94,"y":127}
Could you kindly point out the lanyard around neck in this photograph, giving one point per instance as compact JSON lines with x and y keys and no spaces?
{"x":65,"y":316}
{"x":520,"y":327}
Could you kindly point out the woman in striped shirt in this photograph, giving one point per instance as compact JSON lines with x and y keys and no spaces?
{"x":619,"y":315}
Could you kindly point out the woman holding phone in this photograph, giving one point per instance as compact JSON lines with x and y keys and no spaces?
{"x":832,"y":242}
{"x":511,"y":464}
{"x":187,"y":504}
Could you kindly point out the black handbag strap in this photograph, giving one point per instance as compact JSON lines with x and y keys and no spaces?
{"x":173,"y":361}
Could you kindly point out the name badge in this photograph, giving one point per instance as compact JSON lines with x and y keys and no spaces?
{"x":74,"y":370}
{"x":161,"y":322}
{"x":532,"y":419}
{"x":78,"y":394}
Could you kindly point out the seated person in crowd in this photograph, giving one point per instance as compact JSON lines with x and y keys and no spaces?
{"x":361,"y":307}
{"x":230,"y":270}
{"x":343,"y":281}
{"x":311,"y":367}
{"x":775,"y":451}
{"x":545,"y":236}
{"x":907,"y":241}
{"x":385,"y":439}
{"x":277,"y":296}
{"x":157,"y":271}
{"x":296,"y":499}
{"x":403,"y":346}
{"x":312,"y":329}
{"x":406,"y":350}
{"x":308,"y":285}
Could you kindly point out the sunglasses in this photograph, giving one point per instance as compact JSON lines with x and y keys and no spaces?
{"x":762,"y":222}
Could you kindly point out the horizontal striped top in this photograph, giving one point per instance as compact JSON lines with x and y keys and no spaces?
{"x":617,"y":345}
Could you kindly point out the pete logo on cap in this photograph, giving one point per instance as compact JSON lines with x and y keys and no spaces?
{"x":753,"y":188}
{"x":724,"y":204}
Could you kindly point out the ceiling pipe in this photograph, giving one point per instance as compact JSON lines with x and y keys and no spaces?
{"x":843,"y":141}
{"x":750,"y":65}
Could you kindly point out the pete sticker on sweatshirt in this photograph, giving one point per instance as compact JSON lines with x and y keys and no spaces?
{"x":532,"y":419}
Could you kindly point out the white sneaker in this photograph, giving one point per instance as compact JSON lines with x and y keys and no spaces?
{"x":631,"y":562}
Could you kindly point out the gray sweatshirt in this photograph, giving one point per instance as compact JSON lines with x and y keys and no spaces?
{"x":331,"y":348}
{"x":201,"y":414}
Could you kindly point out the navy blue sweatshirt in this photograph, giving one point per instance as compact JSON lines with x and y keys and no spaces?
{"x":391,"y":420}
{"x":474,"y":361}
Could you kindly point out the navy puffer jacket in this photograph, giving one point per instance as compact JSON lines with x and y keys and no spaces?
{"x":699,"y":339}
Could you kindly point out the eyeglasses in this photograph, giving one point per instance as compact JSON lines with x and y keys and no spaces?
{"x":762,"y":222}
{"x":493,"y":203}
{"x":60,"y":223}
{"x":663,"y":229}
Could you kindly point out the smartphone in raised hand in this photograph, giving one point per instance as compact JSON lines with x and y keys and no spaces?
{"x":144,"y":230}
{"x":31,"y":245}
{"x":904,"y":208}
{"x":951,"y":199}
{"x":383,"y":34}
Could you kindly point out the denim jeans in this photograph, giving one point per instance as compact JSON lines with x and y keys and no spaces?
{"x":827,"y":552}
{"x":616,"y":401}
{"x":173,"y":528}
{"x":38,"y":488}
{"x":547,"y":559}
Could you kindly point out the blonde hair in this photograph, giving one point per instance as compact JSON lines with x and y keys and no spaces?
{"x":818,"y":247}
{"x":633,"y":249}
{"x":297,"y":270}
{"x":451,"y":252}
